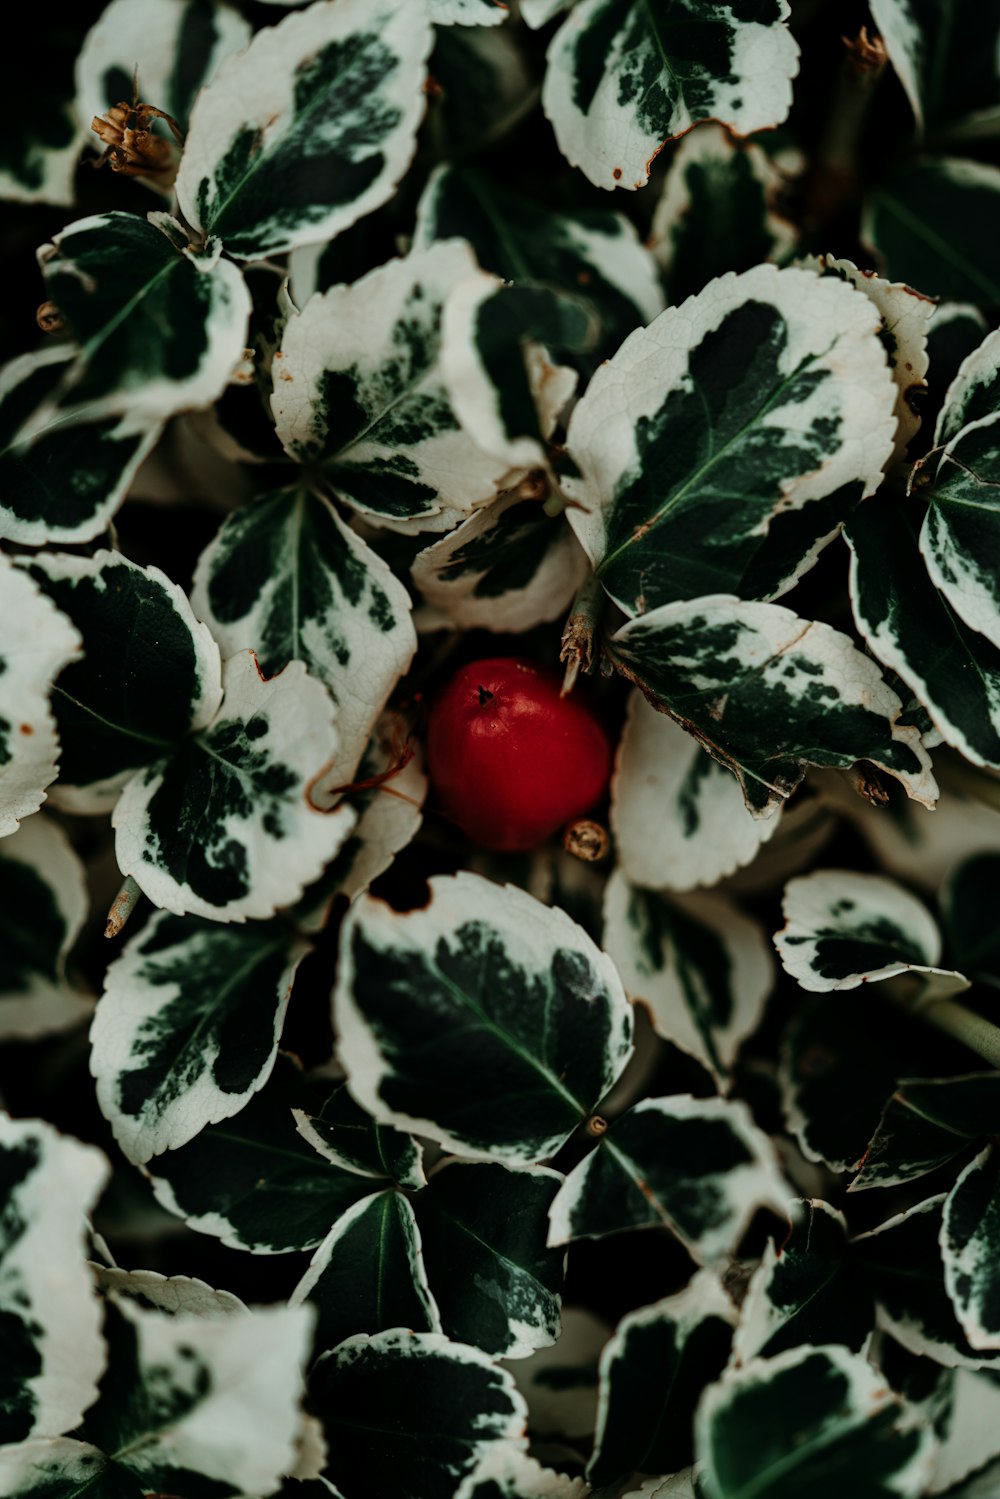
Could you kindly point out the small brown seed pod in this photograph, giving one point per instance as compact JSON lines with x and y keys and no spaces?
{"x":49,"y":318}
{"x":587,"y":840}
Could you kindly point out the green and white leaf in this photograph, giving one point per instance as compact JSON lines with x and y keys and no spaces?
{"x":974,"y":392}
{"x":225,"y":828}
{"x":43,"y":905}
{"x":483,"y":1227}
{"x":359,"y":390}
{"x":535,"y":13}
{"x":49,"y":1315}
{"x":389,"y":817}
{"x":253,"y":1181}
{"x":968,"y":1247}
{"x":805,"y":1292}
{"x":946,"y":58}
{"x":150,"y":672}
{"x":964,"y":1406}
{"x":596,"y":252}
{"x":285,"y":577}
{"x":843,"y":929}
{"x":850,"y":1431}
{"x":934,"y":224}
{"x":701,"y":967}
{"x":652,"y":1372}
{"x":60,"y":1468}
{"x":38,"y":642}
{"x":309,"y":129}
{"x":157,"y":329}
{"x":65,"y":480}
{"x":182,"y":1392}
{"x":352,"y":1140}
{"x":502,"y":382}
{"x":175,"y":46}
{"x":678,"y":815}
{"x":905,"y":317}
{"x":484,"y":1020}
{"x":910,"y":625}
{"x":188,"y":1026}
{"x":962,"y":526}
{"x":39,"y":164}
{"x":451,"y":1404}
{"x":719,"y":210}
{"x":925,"y":1124}
{"x":173,"y":1294}
{"x":903,"y":1262}
{"x":764,"y":394}
{"x":508,"y":1473}
{"x":745,"y":678}
{"x":468,"y":12}
{"x":624,"y":78}
{"x":507,"y":568}
{"x":698,"y":1166}
{"x":368,"y":1274}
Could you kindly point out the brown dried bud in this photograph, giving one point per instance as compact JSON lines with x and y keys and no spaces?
{"x":596,"y":1125}
{"x":49,"y":318}
{"x":587,"y":840}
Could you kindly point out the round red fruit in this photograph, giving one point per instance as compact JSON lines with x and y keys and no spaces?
{"x":510,"y":760}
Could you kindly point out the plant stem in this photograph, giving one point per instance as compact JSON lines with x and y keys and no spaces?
{"x":122,"y":907}
{"x":835,"y":177}
{"x":579,"y":631}
{"x":951,"y":1017}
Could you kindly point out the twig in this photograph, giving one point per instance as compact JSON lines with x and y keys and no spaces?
{"x":579,"y":632}
{"x":122,"y":907}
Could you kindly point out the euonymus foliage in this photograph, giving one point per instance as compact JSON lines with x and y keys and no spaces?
{"x":393,"y":335}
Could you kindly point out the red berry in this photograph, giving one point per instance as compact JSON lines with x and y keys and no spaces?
{"x":512,"y":761}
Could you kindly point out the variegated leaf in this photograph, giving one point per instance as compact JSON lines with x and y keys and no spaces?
{"x":902,"y":1260}
{"x":352,"y":1140}
{"x":285,"y":577}
{"x":850,"y":1431}
{"x":187,"y":1028}
{"x":38,"y":642}
{"x":934,"y":223}
{"x":225,"y":827}
{"x":768,"y":693}
{"x":359,"y":390}
{"x":451,"y":1405}
{"x":843,"y":929}
{"x":483,"y":1227}
{"x":253,"y":1181}
{"x":62,"y":481}
{"x":559,"y":1382}
{"x":150,"y":672}
{"x":501,"y":381}
{"x":968,"y":1248}
{"x":961,"y":529}
{"x":905,"y":316}
{"x":946,"y":58}
{"x":624,"y":78}
{"x":925,"y":1124}
{"x":678,"y":815}
{"x":974,"y":392}
{"x":702,"y":969}
{"x":537,"y":13}
{"x":597,"y":253}
{"x":718,"y":210}
{"x":468,"y":12}
{"x":492,"y":975}
{"x":60,"y":1468}
{"x":172,"y":46}
{"x":53,"y":1349}
{"x":174,"y":1294}
{"x":389,"y":815}
{"x":508,"y":567}
{"x":43,"y":905}
{"x":506,"y":1472}
{"x":158,"y":327}
{"x":698,"y":1166}
{"x":912,"y":628}
{"x":765,"y":394}
{"x":182,"y":1392}
{"x":368,"y":1274}
{"x":308,"y":129}
{"x":41,"y":139}
{"x":805,"y":1291}
{"x":652,"y":1373}
{"x":964,"y":1406}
